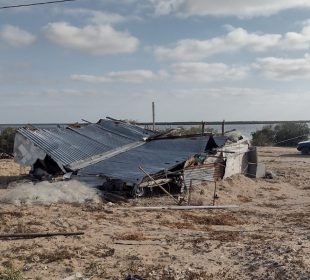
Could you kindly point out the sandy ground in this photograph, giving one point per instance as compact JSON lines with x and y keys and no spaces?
{"x":268,"y":237}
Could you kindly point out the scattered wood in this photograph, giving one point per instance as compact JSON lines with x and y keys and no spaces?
{"x":154,"y":181}
{"x":38,"y":234}
{"x":149,"y":243}
{"x":6,"y":156}
{"x":181,"y":207}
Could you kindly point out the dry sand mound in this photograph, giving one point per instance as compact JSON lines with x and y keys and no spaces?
{"x":46,"y":193}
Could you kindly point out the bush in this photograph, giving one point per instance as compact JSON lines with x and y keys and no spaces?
{"x":289,"y":134}
{"x":263,"y":137}
{"x":284,"y":134}
{"x":7,"y":140}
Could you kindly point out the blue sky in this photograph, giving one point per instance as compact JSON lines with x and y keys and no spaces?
{"x":197,"y":59}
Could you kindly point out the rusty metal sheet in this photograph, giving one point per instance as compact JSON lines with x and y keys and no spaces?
{"x":205,"y":172}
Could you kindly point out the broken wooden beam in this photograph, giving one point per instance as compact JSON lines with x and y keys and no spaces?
{"x":188,"y":207}
{"x":162,"y":188}
{"x":38,"y":234}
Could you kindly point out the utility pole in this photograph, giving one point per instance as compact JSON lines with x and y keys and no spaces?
{"x":223,"y":127}
{"x":153,"y":115}
{"x":202,"y":127}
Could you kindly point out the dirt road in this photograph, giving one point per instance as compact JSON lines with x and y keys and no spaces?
{"x":268,"y":237}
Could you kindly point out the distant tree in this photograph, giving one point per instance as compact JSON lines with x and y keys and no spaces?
{"x":285,"y":134}
{"x":263,"y":137}
{"x":289,"y":134}
{"x":7,"y":140}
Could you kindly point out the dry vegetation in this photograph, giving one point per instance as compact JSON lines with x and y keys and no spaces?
{"x":266,"y":238}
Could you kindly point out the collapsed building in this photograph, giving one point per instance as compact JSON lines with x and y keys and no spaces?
{"x":117,"y":153}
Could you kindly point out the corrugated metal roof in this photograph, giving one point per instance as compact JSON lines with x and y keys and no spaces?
{"x":72,"y":145}
{"x":154,"y":156}
{"x":131,"y":131}
{"x":63,"y":145}
{"x":220,"y":140}
{"x":109,"y":139}
{"x":69,"y":145}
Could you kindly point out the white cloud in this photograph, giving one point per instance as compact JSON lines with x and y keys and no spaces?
{"x":133,"y":76}
{"x":235,"y":40}
{"x":16,"y":36}
{"x":165,"y":7}
{"x":219,"y":92}
{"x":205,"y":72}
{"x":94,"y":39}
{"x":239,"y":8}
{"x":283,"y":68}
{"x":295,"y":40}
{"x":96,"y":17}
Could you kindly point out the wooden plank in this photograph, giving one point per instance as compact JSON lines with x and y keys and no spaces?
{"x":181,"y":207}
{"x":38,"y":234}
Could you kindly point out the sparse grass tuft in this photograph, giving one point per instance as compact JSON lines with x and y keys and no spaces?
{"x":178,"y":225}
{"x":10,"y":273}
{"x":96,"y":269}
{"x":270,"y":205}
{"x":218,"y":219}
{"x":52,"y":256}
{"x":244,"y":199}
{"x":138,"y":236}
{"x":224,"y":236}
{"x":260,"y":237}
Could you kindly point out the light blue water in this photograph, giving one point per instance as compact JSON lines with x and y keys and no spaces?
{"x":245,"y":129}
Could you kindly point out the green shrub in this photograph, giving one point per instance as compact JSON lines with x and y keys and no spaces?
{"x":284,"y":134}
{"x":263,"y":137}
{"x":289,"y":134}
{"x":7,"y":140}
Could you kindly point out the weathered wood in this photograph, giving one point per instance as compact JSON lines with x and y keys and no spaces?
{"x":141,"y":244}
{"x":214,"y":194}
{"x":163,"y":189}
{"x":39,"y":234}
{"x":153,"y":115}
{"x":181,"y":207}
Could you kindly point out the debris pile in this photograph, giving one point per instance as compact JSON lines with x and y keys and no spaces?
{"x":127,"y":157}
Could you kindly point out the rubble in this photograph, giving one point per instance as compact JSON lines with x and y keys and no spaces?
{"x":121,"y":156}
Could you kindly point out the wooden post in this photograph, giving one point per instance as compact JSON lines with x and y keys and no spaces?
{"x":153,"y":115}
{"x":202,"y":127}
{"x":214,"y":195}
{"x":223,"y":127}
{"x":190,"y":192}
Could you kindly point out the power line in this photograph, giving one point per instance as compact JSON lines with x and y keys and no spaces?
{"x":35,"y":4}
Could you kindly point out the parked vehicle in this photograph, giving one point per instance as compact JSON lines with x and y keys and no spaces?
{"x":304,"y":147}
